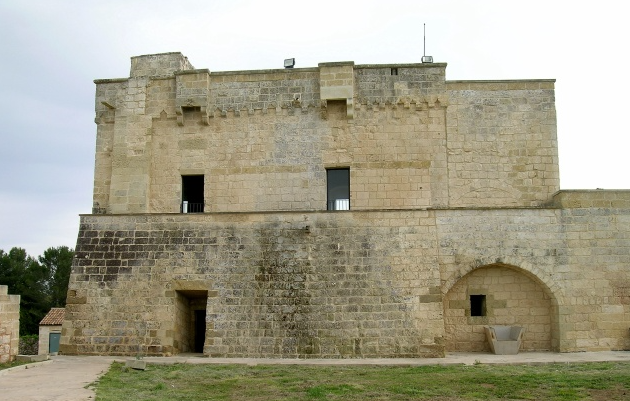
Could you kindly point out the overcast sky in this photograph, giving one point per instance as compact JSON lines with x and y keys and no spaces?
{"x":52,"y":50}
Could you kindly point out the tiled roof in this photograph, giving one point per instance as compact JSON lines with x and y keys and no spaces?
{"x":54,"y":317}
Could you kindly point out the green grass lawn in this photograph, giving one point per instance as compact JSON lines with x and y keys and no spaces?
{"x":592,"y":381}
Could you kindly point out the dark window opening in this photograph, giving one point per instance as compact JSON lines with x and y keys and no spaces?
{"x":191,"y":113}
{"x":192,"y":194}
{"x":394,"y":71}
{"x":338,"y":189}
{"x":477,"y":305}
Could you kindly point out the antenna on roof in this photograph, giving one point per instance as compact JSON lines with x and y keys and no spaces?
{"x":425,"y":58}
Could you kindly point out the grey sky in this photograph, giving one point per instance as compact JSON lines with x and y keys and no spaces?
{"x":52,"y":50}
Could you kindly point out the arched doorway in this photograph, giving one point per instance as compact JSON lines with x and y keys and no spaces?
{"x":499,"y":294}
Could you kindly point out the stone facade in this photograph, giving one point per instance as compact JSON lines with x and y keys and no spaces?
{"x":9,"y":325}
{"x":455,"y":218}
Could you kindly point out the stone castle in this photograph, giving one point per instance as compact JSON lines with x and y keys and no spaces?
{"x":339,"y":211}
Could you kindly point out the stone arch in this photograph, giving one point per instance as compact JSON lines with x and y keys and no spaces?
{"x":527,"y":268}
{"x":512,"y":295}
{"x":477,"y":191}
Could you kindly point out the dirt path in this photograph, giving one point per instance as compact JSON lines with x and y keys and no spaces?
{"x":62,"y":379}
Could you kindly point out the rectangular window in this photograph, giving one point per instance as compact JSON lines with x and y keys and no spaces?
{"x":338,"y":189}
{"x":192,"y":194}
{"x":477,"y":305}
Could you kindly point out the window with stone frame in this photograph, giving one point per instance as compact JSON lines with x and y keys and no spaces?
{"x":338,"y":188}
{"x":192,"y":194}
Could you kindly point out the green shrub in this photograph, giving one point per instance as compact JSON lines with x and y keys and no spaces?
{"x":29,"y":345}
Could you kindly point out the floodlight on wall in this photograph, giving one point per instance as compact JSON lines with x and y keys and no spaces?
{"x":427,"y":59}
{"x":289,"y":62}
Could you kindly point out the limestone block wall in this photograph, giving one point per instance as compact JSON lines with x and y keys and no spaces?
{"x":350,"y":284}
{"x":122,"y":173}
{"x":248,"y":165}
{"x":264,"y":139}
{"x":598,"y":238}
{"x":502,"y":144}
{"x":248,"y":92}
{"x":521,"y":256}
{"x":511,"y":298}
{"x":265,"y":146}
{"x":405,"y":84}
{"x":587,"y":199}
{"x":279,"y":284}
{"x":182,"y":326}
{"x":9,"y":325}
{"x":399,"y":137}
{"x":191,"y":93}
{"x":159,"y":64}
{"x":576,"y":257}
{"x":121,"y":169}
{"x":106,"y":101}
{"x":337,"y":80}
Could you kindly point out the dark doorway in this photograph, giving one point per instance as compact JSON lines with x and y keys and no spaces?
{"x":200,"y":329}
{"x":190,"y":320}
{"x":192,"y":193}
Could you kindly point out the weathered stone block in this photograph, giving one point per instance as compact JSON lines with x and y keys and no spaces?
{"x":136,"y":364}
{"x":32,"y":358}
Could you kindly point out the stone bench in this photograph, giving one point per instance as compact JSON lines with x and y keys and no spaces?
{"x":504,"y":340}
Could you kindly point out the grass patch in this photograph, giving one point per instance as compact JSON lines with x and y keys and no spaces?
{"x":592,"y":381}
{"x":12,"y":364}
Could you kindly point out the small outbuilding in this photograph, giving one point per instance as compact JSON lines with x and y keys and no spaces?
{"x":50,"y":331}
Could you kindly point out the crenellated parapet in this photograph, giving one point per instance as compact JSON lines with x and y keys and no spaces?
{"x":400,"y":83}
{"x":408,"y":102}
{"x":241,"y":93}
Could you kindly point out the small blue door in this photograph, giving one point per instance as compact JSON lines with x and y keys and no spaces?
{"x":53,"y":342}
